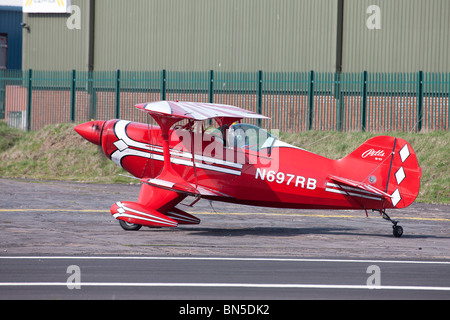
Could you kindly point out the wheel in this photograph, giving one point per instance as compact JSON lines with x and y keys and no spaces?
{"x":398,"y":231}
{"x":129,"y":226}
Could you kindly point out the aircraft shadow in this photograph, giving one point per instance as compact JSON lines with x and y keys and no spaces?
{"x":289,"y":232}
{"x":270,"y":231}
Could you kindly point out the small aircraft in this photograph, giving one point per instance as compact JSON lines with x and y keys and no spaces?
{"x":189,"y":154}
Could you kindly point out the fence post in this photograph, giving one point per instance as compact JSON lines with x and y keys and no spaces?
{"x":260,"y":81}
{"x":364,"y":103}
{"x":310,"y":101}
{"x":72,"y":97}
{"x":163,"y":85}
{"x":29,"y":98}
{"x":420,"y":102}
{"x":211,"y":87}
{"x":117,"y":110}
{"x":2,"y":94}
{"x":92,"y":95}
{"x":340,"y":102}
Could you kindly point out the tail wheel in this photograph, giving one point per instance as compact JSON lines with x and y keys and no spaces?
{"x":129,"y":226}
{"x":398,"y":231}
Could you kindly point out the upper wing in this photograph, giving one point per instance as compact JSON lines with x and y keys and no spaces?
{"x":197,"y":111}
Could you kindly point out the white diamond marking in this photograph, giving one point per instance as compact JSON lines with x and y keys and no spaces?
{"x":121,"y":145}
{"x":396,"y":197}
{"x":400,"y":175}
{"x":404,"y":153}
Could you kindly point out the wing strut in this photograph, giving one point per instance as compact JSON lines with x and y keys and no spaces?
{"x":390,"y":166}
{"x":169,"y":178}
{"x":191,"y":125}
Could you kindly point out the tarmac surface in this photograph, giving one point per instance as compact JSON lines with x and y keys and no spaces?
{"x":210,"y":278}
{"x":237,"y":252}
{"x":63,"y":218}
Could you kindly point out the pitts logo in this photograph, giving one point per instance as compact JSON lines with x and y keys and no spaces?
{"x":378,"y":154}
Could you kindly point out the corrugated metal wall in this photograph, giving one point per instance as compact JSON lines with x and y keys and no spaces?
{"x":244,"y":35}
{"x":227,"y":35}
{"x":414,"y":35}
{"x":50,"y":45}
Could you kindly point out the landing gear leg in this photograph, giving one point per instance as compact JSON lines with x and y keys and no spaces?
{"x":397,"y":230}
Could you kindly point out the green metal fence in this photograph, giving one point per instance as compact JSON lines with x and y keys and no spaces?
{"x":294,"y":101}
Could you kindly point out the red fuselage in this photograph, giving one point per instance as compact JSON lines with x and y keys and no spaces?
{"x":272,"y":174}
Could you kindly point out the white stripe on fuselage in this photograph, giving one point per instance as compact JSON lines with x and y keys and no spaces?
{"x":125,"y":142}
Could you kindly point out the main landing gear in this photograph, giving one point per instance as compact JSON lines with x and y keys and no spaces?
{"x":128,"y":226}
{"x":397,"y":230}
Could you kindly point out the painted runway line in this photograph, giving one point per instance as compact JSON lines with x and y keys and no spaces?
{"x":221,"y":285}
{"x":362,"y":216}
{"x":221,"y":259}
{"x":235,"y":285}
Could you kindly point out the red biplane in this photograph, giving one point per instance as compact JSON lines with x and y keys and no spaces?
{"x":188,"y":154}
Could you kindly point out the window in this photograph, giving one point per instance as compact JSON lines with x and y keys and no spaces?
{"x":249,"y":137}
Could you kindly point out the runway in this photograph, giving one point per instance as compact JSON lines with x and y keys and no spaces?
{"x":218,"y":278}
{"x":237,"y":252}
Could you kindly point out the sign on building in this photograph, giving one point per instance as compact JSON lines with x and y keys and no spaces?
{"x":46,"y":6}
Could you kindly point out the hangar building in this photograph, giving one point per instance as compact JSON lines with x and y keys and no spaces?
{"x":240,"y":35}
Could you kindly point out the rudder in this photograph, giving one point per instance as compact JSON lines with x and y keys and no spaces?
{"x":388,"y":164}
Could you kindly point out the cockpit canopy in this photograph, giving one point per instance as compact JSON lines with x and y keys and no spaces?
{"x":249,"y":137}
{"x":243,"y":136}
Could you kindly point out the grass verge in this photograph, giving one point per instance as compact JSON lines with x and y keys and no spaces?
{"x":56,"y":152}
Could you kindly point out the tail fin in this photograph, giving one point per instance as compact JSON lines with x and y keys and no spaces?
{"x":388,"y":164}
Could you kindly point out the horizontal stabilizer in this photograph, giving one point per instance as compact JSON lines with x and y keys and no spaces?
{"x":355,"y":188}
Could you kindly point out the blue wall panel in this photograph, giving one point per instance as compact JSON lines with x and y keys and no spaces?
{"x":10,"y":19}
